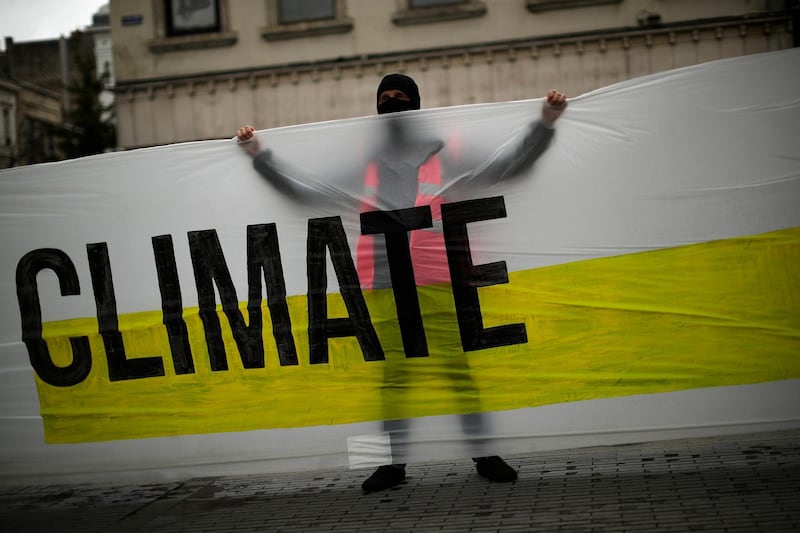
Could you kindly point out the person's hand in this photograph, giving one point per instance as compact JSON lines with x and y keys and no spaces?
{"x":554,"y":105}
{"x":248,"y":141}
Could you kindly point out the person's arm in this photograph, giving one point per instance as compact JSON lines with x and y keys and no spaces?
{"x":533,"y":145}
{"x":265,"y":165}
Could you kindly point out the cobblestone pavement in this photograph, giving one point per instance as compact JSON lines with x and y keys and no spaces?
{"x":744,"y":483}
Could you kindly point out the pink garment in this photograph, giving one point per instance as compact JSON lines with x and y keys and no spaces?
{"x":428,"y":254}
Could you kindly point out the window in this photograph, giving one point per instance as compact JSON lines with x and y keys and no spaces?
{"x":40,"y":141}
{"x":7,"y":126}
{"x":543,"y":5}
{"x":185,"y":17}
{"x":424,"y":11}
{"x":430,"y":3}
{"x":302,"y":10}
{"x":291,"y":19}
{"x":190,"y":24}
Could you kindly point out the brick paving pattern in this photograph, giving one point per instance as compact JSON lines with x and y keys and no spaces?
{"x":744,"y":483}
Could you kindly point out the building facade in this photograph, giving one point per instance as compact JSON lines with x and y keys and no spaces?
{"x":34,"y":95}
{"x":31,"y":118}
{"x":199,"y":70}
{"x":9,"y":97}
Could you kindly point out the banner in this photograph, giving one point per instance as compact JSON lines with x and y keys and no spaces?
{"x":645,"y":248}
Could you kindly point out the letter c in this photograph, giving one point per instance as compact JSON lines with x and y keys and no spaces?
{"x":31,"y":313}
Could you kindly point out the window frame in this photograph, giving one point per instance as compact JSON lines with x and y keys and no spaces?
{"x":407,"y":14}
{"x":537,"y":6}
{"x":169,"y":23}
{"x":276,"y":30}
{"x":447,"y":3}
{"x":191,"y":40}
{"x":282,"y":3}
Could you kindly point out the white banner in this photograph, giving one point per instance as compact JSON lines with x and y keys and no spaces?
{"x":179,"y":310}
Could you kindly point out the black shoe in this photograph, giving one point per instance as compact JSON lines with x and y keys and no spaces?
{"x":384,"y":477}
{"x":495,"y":469}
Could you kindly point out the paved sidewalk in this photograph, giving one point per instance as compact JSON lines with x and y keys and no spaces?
{"x":744,"y":483}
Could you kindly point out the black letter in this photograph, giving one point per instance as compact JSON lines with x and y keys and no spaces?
{"x":210,"y":268}
{"x":396,"y":225}
{"x":172,"y":305}
{"x":263,"y":253}
{"x":328,"y":232}
{"x":466,"y":277}
{"x":119,"y":366}
{"x":31,"y":314}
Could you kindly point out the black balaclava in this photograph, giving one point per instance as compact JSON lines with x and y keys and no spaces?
{"x":399,"y":82}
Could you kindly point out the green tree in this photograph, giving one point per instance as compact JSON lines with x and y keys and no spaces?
{"x":89,"y":128}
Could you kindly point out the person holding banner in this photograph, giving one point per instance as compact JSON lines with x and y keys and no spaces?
{"x":410,"y":170}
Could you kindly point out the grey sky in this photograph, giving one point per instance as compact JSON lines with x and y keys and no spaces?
{"x":34,"y":20}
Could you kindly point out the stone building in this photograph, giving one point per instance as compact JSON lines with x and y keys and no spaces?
{"x":35,"y":98}
{"x":34,"y":77}
{"x":198,"y":69}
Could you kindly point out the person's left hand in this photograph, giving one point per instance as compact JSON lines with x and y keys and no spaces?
{"x":554,"y":105}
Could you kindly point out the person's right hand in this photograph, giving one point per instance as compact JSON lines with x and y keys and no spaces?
{"x":248,"y":141}
{"x":553,"y":107}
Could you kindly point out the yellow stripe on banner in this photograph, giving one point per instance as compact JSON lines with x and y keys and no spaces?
{"x":713,"y":314}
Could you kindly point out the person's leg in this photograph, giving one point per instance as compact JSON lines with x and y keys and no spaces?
{"x":392,"y":400}
{"x":388,"y":476}
{"x":477,"y":428}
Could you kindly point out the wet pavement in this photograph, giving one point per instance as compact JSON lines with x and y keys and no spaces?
{"x":741,"y":483}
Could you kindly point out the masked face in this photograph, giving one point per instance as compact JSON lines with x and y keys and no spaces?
{"x":394,"y":105}
{"x":393,"y":101}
